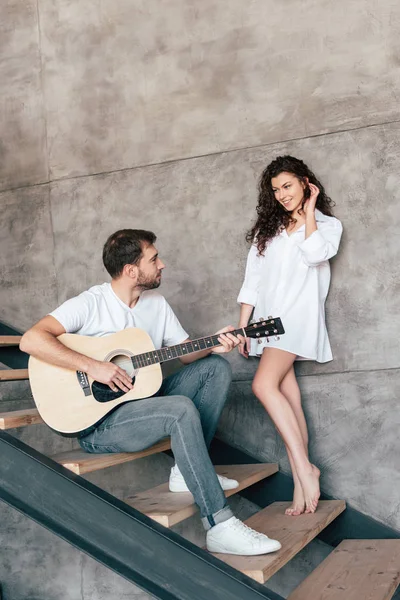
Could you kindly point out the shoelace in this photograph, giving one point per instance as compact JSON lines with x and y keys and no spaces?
{"x":248,"y":531}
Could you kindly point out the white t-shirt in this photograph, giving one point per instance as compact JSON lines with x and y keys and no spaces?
{"x":99,"y":312}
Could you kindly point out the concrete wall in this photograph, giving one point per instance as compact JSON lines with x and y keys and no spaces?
{"x":138,"y":114}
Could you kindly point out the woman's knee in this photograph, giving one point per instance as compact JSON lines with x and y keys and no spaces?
{"x":263,"y":390}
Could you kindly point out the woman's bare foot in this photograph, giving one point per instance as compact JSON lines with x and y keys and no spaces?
{"x":310,"y":485}
{"x":298,"y":505}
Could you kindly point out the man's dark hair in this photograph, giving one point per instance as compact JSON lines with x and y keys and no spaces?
{"x":125,"y":247}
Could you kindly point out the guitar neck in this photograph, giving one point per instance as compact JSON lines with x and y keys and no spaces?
{"x":165,"y":354}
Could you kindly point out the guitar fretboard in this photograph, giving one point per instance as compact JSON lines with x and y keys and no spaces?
{"x":165,"y":354}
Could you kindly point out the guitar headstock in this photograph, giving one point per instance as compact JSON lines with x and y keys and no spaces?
{"x":265,"y":328}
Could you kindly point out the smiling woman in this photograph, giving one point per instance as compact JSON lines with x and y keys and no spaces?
{"x":288,"y":273}
{"x":290,"y":181}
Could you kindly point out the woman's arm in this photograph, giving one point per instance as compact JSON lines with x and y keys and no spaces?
{"x":249,"y":293}
{"x":322,"y":243}
{"x":245,"y":314}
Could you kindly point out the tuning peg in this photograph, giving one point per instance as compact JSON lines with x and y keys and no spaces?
{"x":277,"y":337}
{"x":251,"y":322}
{"x":269,"y":316}
{"x":261,"y":319}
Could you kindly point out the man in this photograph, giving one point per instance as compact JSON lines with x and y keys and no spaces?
{"x":189,"y":403}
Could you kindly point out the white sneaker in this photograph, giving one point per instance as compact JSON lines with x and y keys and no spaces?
{"x":234,"y":537}
{"x":177,"y":483}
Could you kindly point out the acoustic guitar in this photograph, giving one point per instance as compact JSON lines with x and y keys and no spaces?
{"x":72,"y":403}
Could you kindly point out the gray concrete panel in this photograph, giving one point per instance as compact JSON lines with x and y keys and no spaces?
{"x":128,"y":83}
{"x":23,"y":158}
{"x":99,"y":583}
{"x":28,"y":285}
{"x":35,"y":564}
{"x":201,"y":208}
{"x":353,"y":421}
{"x":49,"y":568}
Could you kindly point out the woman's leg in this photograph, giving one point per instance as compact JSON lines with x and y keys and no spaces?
{"x":274,"y":366}
{"x":290,"y":389}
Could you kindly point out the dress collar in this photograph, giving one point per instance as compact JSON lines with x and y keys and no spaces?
{"x":319,"y":216}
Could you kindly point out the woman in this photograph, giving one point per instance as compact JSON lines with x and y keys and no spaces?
{"x":288,"y":275}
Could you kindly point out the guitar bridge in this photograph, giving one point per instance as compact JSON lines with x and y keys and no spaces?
{"x":84,"y":382}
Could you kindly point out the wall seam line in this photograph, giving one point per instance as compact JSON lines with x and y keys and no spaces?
{"x":198,"y":156}
{"x":378,"y":370}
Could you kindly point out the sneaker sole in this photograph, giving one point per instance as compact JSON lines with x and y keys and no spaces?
{"x":221,"y":550}
{"x":178,"y":488}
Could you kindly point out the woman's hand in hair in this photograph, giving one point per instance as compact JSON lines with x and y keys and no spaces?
{"x":309,"y":205}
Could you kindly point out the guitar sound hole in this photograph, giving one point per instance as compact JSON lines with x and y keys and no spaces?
{"x":102,"y":391}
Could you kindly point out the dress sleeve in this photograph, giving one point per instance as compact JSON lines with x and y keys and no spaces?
{"x":322,"y":244}
{"x":249,"y":291}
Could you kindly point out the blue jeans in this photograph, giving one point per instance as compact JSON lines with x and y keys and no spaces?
{"x":187,"y":408}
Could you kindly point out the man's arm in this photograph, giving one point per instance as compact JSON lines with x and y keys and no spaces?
{"x":228,"y":343}
{"x":41,"y":342}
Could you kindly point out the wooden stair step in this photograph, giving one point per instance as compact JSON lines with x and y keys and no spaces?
{"x":169,"y":508}
{"x":13,"y":374}
{"x":294,"y":533}
{"x":81,"y":462}
{"x":10,"y":340}
{"x":19,"y":418}
{"x":367,"y":569}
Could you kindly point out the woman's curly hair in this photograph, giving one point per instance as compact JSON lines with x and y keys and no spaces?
{"x":271,"y":215}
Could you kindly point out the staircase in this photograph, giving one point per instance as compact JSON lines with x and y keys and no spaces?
{"x":356,"y":569}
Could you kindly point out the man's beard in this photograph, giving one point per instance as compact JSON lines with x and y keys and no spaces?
{"x":147,"y":283}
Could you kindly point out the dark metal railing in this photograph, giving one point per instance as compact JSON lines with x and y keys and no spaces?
{"x":154,"y":558}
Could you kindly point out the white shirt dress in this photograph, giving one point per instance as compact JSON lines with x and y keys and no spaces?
{"x":291,"y":281}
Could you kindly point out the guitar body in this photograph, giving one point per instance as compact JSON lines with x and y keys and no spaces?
{"x":71,"y":402}
{"x":65,"y":398}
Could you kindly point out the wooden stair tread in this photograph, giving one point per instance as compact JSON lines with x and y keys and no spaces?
{"x":367,"y":569}
{"x":10,"y":340}
{"x":19,"y":418}
{"x":169,"y":508}
{"x":293,"y":532}
{"x":13,"y":374}
{"x":81,"y":462}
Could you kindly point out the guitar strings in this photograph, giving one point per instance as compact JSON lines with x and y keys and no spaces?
{"x":129,"y":364}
